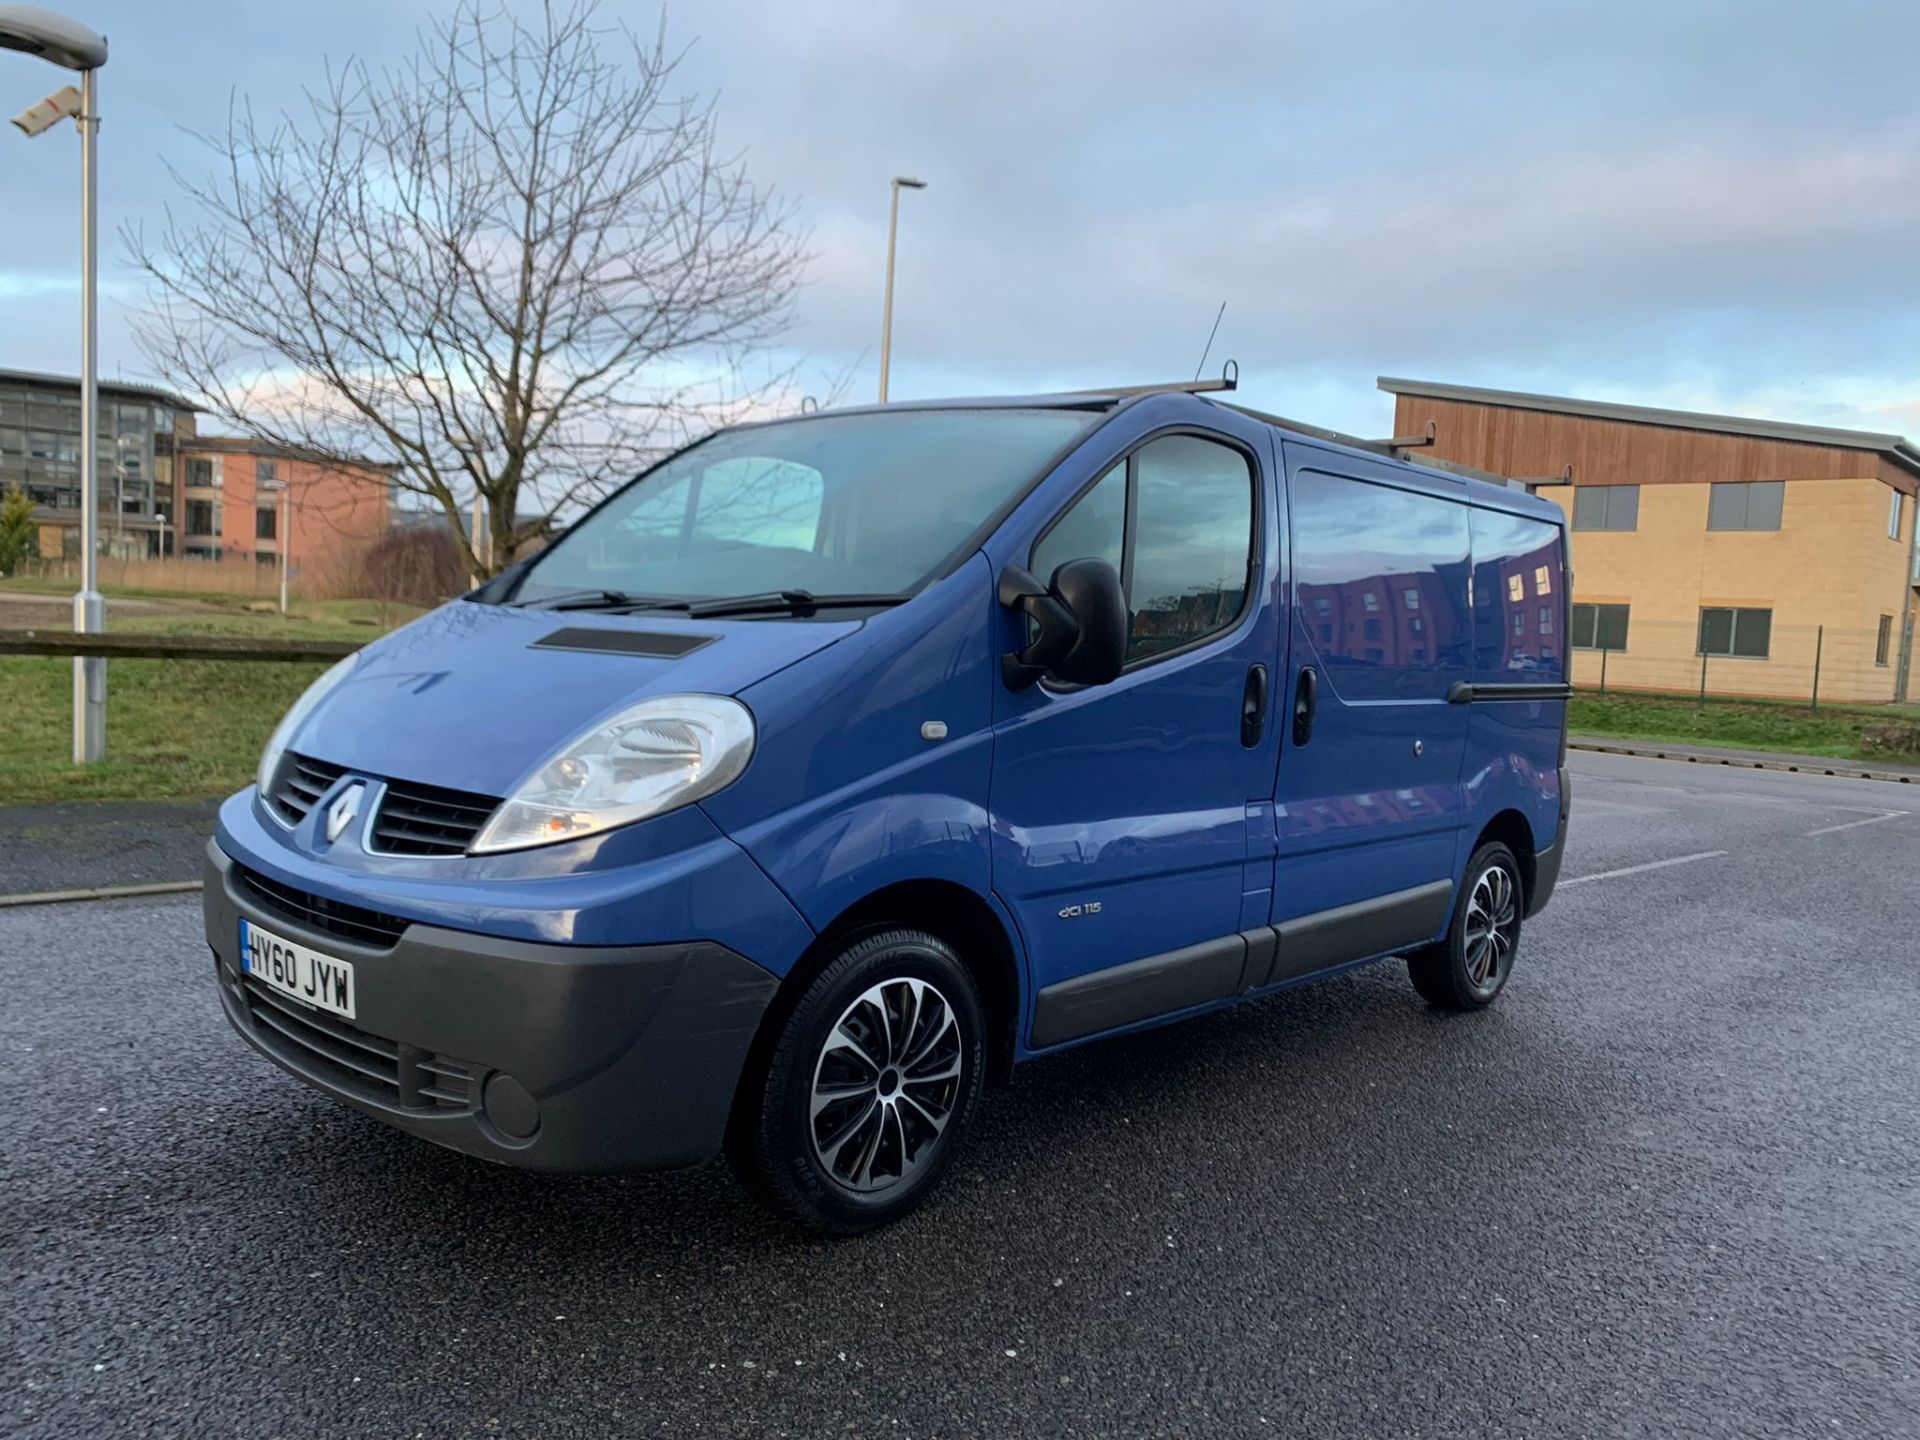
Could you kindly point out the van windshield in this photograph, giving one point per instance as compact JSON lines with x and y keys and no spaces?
{"x":867,"y":504}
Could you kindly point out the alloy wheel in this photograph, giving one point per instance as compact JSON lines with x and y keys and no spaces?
{"x":1493,"y":917}
{"x":885,"y":1084}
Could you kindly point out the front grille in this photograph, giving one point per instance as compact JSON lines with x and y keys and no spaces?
{"x":426,"y":820}
{"x":298,"y":785}
{"x":413,"y":819}
{"x":385,"y":1071}
{"x":317,"y":912}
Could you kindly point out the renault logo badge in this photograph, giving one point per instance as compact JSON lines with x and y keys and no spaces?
{"x":340,"y":814}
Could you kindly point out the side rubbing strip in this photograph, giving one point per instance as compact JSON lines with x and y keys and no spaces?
{"x":1138,"y":990}
{"x":1366,"y":927}
{"x":1462,"y":693}
{"x":657,"y":644}
{"x":1234,"y":964}
{"x":1261,"y":945}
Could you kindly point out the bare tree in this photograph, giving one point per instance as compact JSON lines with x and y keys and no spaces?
{"x":519,"y":265}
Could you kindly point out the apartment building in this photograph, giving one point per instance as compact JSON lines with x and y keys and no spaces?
{"x":166,"y":490}
{"x":138,"y":432}
{"x":1742,"y":556}
{"x":244,"y":502}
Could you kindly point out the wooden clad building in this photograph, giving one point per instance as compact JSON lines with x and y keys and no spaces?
{"x":1751,"y":556}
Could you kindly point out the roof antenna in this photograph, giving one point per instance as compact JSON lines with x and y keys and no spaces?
{"x":1210,"y":334}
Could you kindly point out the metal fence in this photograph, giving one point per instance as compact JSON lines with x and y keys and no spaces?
{"x":1720,"y":657}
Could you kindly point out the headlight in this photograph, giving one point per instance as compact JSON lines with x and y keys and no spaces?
{"x":652,"y":757}
{"x":303,"y":707}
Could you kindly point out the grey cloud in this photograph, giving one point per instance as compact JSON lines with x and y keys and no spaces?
{"x":1665,"y":199}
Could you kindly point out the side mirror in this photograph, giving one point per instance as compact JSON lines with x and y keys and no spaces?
{"x":1080,"y":622}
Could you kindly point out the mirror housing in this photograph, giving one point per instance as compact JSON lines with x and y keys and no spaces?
{"x":1082,"y":621}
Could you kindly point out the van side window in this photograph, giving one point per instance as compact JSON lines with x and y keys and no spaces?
{"x":1192,"y":546}
{"x":1092,"y":529}
{"x":1186,"y":564}
{"x":1517,"y":588}
{"x":1382,"y":581}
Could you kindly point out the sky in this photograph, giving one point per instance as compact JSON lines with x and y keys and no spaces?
{"x":1711,"y":206}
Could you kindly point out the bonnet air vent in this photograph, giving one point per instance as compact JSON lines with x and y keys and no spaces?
{"x":659,"y":645}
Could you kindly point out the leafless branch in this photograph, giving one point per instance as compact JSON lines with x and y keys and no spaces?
{"x":519,"y":264}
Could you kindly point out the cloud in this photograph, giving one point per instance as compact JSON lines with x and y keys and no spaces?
{"x":1649,"y":201}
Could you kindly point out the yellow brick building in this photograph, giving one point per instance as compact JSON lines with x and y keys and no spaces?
{"x":1748,"y":556}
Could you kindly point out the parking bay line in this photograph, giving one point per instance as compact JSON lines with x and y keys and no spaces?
{"x":1650,"y":865}
{"x":1855,"y":824}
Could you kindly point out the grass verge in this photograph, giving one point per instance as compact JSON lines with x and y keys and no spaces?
{"x":1833,"y":731}
{"x":176,"y":729}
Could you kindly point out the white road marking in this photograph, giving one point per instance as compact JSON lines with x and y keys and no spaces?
{"x":1853,"y":824}
{"x":1650,"y":865}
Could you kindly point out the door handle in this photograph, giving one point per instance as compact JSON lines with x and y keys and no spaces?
{"x":1306,"y":699}
{"x":1253,"y":706}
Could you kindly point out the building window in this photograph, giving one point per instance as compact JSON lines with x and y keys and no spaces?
{"x":1600,"y":627}
{"x":1373,"y":631}
{"x":265,"y":557}
{"x":1412,"y":597}
{"x":1893,"y":515}
{"x":1516,"y":589}
{"x":1546,"y":619}
{"x":1542,"y":580}
{"x":1883,"y":646}
{"x":203,"y":517}
{"x":1743,"y":634}
{"x":1746,"y":505}
{"x":265,"y":526}
{"x":1519,"y":622}
{"x":200,"y":472}
{"x":266,"y":472}
{"x":1606,"y":507}
{"x":1370,"y":600}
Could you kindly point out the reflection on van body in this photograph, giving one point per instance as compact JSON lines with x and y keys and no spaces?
{"x":837,"y":765}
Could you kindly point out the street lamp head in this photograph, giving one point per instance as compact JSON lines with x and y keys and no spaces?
{"x":38,"y":119}
{"x":54,"y":38}
{"x":908,"y":183}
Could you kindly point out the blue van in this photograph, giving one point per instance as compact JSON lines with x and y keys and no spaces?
{"x":837,"y":764}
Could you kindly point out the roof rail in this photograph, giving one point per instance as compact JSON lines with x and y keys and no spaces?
{"x":1320,"y":432}
{"x":1229,"y":380}
{"x":1397,"y":449}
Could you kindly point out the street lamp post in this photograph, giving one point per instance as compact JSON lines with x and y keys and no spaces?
{"x":900,"y":182}
{"x":71,"y":45}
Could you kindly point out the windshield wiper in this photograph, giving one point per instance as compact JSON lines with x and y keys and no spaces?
{"x":603,"y":600}
{"x":797,"y":602}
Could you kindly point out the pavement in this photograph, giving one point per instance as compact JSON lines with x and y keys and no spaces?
{"x":65,"y":602}
{"x":1669,"y":1185}
{"x":1769,"y":759}
{"x":20,"y":610}
{"x":89,"y":843}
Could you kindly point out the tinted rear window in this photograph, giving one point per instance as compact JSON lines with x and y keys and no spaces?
{"x":1381,"y":581}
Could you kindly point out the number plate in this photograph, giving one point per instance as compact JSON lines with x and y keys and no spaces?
{"x":308,"y":976}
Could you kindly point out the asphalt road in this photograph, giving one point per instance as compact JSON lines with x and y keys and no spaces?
{"x":1669,"y":1185}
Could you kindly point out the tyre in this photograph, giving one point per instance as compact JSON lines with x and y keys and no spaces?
{"x":870,"y":1084}
{"x":1469,"y":968}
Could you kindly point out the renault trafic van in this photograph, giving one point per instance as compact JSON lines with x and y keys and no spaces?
{"x":838,"y":764}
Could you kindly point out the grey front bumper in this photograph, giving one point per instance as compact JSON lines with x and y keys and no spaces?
{"x":549,"y":1057}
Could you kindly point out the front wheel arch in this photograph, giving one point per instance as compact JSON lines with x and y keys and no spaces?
{"x":948,"y":911}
